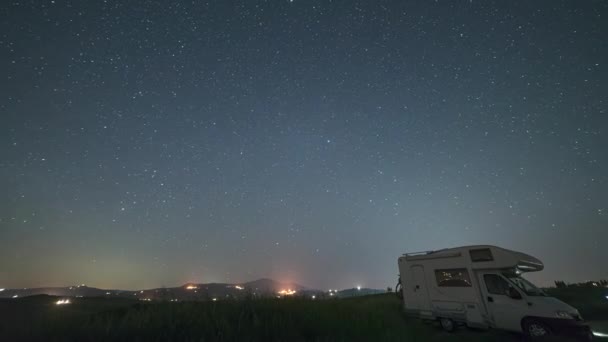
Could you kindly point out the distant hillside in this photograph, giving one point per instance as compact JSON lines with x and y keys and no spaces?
{"x":212,"y":291}
{"x":70,"y":291}
{"x":259,"y":288}
{"x":358,"y":292}
{"x":269,"y":285}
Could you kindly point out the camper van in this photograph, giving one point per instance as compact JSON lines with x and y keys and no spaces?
{"x":483,"y":287}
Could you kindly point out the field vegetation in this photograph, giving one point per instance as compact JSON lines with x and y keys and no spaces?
{"x":369,"y":318}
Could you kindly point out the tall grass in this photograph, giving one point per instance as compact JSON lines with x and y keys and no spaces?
{"x":371,"y":318}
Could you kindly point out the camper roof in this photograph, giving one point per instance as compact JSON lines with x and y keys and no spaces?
{"x":492,"y":257}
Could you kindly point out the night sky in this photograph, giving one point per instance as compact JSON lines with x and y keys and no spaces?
{"x":151,"y":143}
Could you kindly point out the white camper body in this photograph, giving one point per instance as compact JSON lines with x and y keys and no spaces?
{"x":480,"y":286}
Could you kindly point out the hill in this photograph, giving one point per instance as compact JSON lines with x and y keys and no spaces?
{"x":192,"y":291}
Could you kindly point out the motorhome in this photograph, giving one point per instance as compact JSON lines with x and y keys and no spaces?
{"x":482,"y":287}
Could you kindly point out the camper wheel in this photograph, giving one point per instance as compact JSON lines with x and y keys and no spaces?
{"x":447,"y":324}
{"x":536,"y":329}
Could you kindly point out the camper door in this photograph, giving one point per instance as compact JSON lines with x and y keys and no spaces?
{"x":420,"y":292}
{"x":503,"y":302}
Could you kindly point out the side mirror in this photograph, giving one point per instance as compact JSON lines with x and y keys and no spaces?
{"x":514,"y":294}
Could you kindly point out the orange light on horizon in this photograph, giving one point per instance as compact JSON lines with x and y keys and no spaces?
{"x":288,"y":292}
{"x":191,"y":287}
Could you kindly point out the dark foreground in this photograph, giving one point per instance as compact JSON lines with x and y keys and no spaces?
{"x":371,"y":318}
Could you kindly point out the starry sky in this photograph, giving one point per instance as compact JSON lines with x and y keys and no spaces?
{"x":151,"y":143}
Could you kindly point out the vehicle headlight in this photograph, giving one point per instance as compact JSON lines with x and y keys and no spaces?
{"x":564,"y":314}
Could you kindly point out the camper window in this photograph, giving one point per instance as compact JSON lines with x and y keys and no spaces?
{"x":458,"y":277}
{"x":496,"y":285}
{"x":524,"y":285}
{"x":478,"y":255}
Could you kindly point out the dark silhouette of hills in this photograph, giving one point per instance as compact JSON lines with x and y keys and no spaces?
{"x":193,"y":291}
{"x":259,"y":288}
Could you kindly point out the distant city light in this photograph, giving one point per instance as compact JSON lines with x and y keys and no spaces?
{"x":358,"y":287}
{"x":145,"y":299}
{"x":239,"y":287}
{"x":191,"y":287}
{"x":215,"y":299}
{"x":63,"y":302}
{"x":288,"y":292}
{"x":1,"y":290}
{"x":314,"y":297}
{"x":15,"y":296}
{"x":331,"y":294}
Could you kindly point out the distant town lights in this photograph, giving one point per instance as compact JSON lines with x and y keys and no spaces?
{"x":1,"y":290}
{"x":358,"y":287}
{"x":239,"y":287}
{"x":288,"y":292}
{"x":63,"y":302}
{"x":191,"y":287}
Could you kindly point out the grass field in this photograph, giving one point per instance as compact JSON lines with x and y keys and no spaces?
{"x":371,"y":318}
